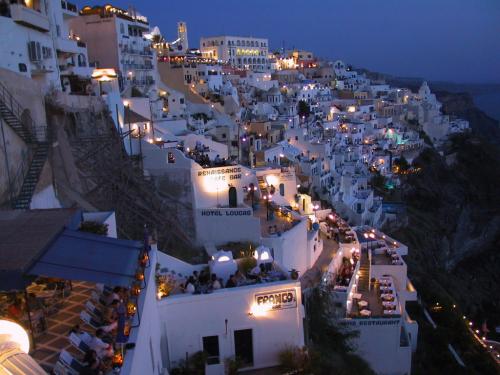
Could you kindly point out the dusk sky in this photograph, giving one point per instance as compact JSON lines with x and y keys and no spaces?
{"x":453,"y":40}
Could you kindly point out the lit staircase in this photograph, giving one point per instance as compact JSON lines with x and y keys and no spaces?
{"x":364,"y":272}
{"x":262,"y":186}
{"x":23,"y":200}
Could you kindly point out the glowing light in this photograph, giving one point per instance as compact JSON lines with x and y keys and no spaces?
{"x":15,"y":333}
{"x":223,"y":258}
{"x":104,"y":75}
{"x":351,"y":109}
{"x":264,"y":255}
{"x":260,"y":310}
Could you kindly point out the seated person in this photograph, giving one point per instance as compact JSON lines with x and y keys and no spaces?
{"x":239,"y":277}
{"x":254,"y":273}
{"x":102,"y":349}
{"x":215,"y":282}
{"x":91,"y":363}
{"x":189,"y":287}
{"x":114,"y":295}
{"x":231,"y":282}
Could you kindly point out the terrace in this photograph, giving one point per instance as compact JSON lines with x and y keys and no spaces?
{"x":379,"y":301}
{"x":49,"y":293}
{"x":255,"y":267}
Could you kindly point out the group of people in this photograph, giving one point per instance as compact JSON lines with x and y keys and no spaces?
{"x":111,"y":314}
{"x":202,"y":282}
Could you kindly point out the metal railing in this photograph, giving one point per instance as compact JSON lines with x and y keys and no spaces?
{"x":35,"y":133}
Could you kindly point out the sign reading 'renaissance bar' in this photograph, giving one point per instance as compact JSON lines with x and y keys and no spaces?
{"x":220,"y":173}
{"x":282,"y":299}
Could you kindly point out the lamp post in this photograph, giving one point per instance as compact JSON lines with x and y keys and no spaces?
{"x":315,"y":209}
{"x":268,"y":204}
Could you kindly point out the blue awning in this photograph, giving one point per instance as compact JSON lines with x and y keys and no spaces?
{"x":84,"y":256}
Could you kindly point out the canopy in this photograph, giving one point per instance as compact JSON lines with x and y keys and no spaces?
{"x":89,"y":257}
{"x":16,"y":362}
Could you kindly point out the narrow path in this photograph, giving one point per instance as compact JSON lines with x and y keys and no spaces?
{"x":312,"y":276}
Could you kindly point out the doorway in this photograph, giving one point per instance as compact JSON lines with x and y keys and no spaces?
{"x":243,"y":347}
{"x":233,"y":197}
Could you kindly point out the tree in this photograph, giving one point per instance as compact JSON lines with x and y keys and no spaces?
{"x":330,"y":343}
{"x":401,"y":164}
{"x":303,"y":108}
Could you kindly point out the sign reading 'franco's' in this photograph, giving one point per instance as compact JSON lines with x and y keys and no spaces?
{"x":282,"y":299}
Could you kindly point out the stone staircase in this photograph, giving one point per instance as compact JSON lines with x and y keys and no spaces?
{"x":364,"y":272}
{"x":23,"y":200}
{"x":262,"y":186}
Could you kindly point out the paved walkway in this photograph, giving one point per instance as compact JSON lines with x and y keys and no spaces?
{"x":55,"y":338}
{"x":312,"y":276}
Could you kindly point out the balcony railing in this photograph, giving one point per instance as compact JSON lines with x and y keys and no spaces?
{"x":69,"y":6}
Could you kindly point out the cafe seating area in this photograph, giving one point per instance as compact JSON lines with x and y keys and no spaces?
{"x":380,"y":301}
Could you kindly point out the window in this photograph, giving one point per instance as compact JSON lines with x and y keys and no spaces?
{"x":282,"y":189}
{"x":122,"y":28}
{"x":23,"y":68}
{"x":211,"y":349}
{"x":181,"y":100}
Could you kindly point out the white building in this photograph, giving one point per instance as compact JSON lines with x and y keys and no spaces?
{"x":38,"y":43}
{"x":372,"y":300}
{"x":241,"y":52}
{"x":231,"y":322}
{"x":119,"y":39}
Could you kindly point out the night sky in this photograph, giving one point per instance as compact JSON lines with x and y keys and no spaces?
{"x":447,"y":40}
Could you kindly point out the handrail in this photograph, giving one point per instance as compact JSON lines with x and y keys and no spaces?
{"x":35,"y":133}
{"x":17,"y":181}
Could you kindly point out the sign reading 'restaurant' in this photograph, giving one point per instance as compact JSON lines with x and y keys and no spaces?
{"x":283,"y":299}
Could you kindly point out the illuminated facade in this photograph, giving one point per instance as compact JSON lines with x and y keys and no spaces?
{"x":240,"y":52}
{"x":120,"y":40}
{"x":38,"y":43}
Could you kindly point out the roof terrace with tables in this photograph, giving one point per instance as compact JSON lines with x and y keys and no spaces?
{"x":238,"y":266}
{"x":53,"y":281}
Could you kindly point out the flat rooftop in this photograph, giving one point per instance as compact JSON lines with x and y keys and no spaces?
{"x":25,"y":234}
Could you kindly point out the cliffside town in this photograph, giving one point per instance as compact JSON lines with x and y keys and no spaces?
{"x":170,"y":209}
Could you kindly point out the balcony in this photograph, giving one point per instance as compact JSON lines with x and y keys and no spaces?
{"x":67,"y":45}
{"x":29,"y":17}
{"x":69,"y":9}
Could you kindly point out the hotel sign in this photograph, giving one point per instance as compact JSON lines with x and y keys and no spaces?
{"x":227,"y":212}
{"x":282,"y":299}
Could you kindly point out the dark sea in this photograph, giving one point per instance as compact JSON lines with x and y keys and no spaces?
{"x":489,"y":103}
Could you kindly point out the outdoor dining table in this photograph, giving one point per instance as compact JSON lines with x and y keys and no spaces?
{"x":362,"y":303}
{"x":356,"y":296}
{"x":389,"y":312}
{"x":387,"y":296}
{"x":365,"y":312}
{"x":389,"y":304}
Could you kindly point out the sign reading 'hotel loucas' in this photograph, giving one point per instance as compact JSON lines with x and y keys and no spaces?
{"x":226,"y":212}
{"x":282,"y":299}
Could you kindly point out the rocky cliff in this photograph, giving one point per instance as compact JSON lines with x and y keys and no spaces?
{"x":454,"y":215}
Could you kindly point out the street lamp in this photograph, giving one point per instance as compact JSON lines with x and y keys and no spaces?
{"x":315,"y":209}
{"x":13,"y":332}
{"x":268,"y":204}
